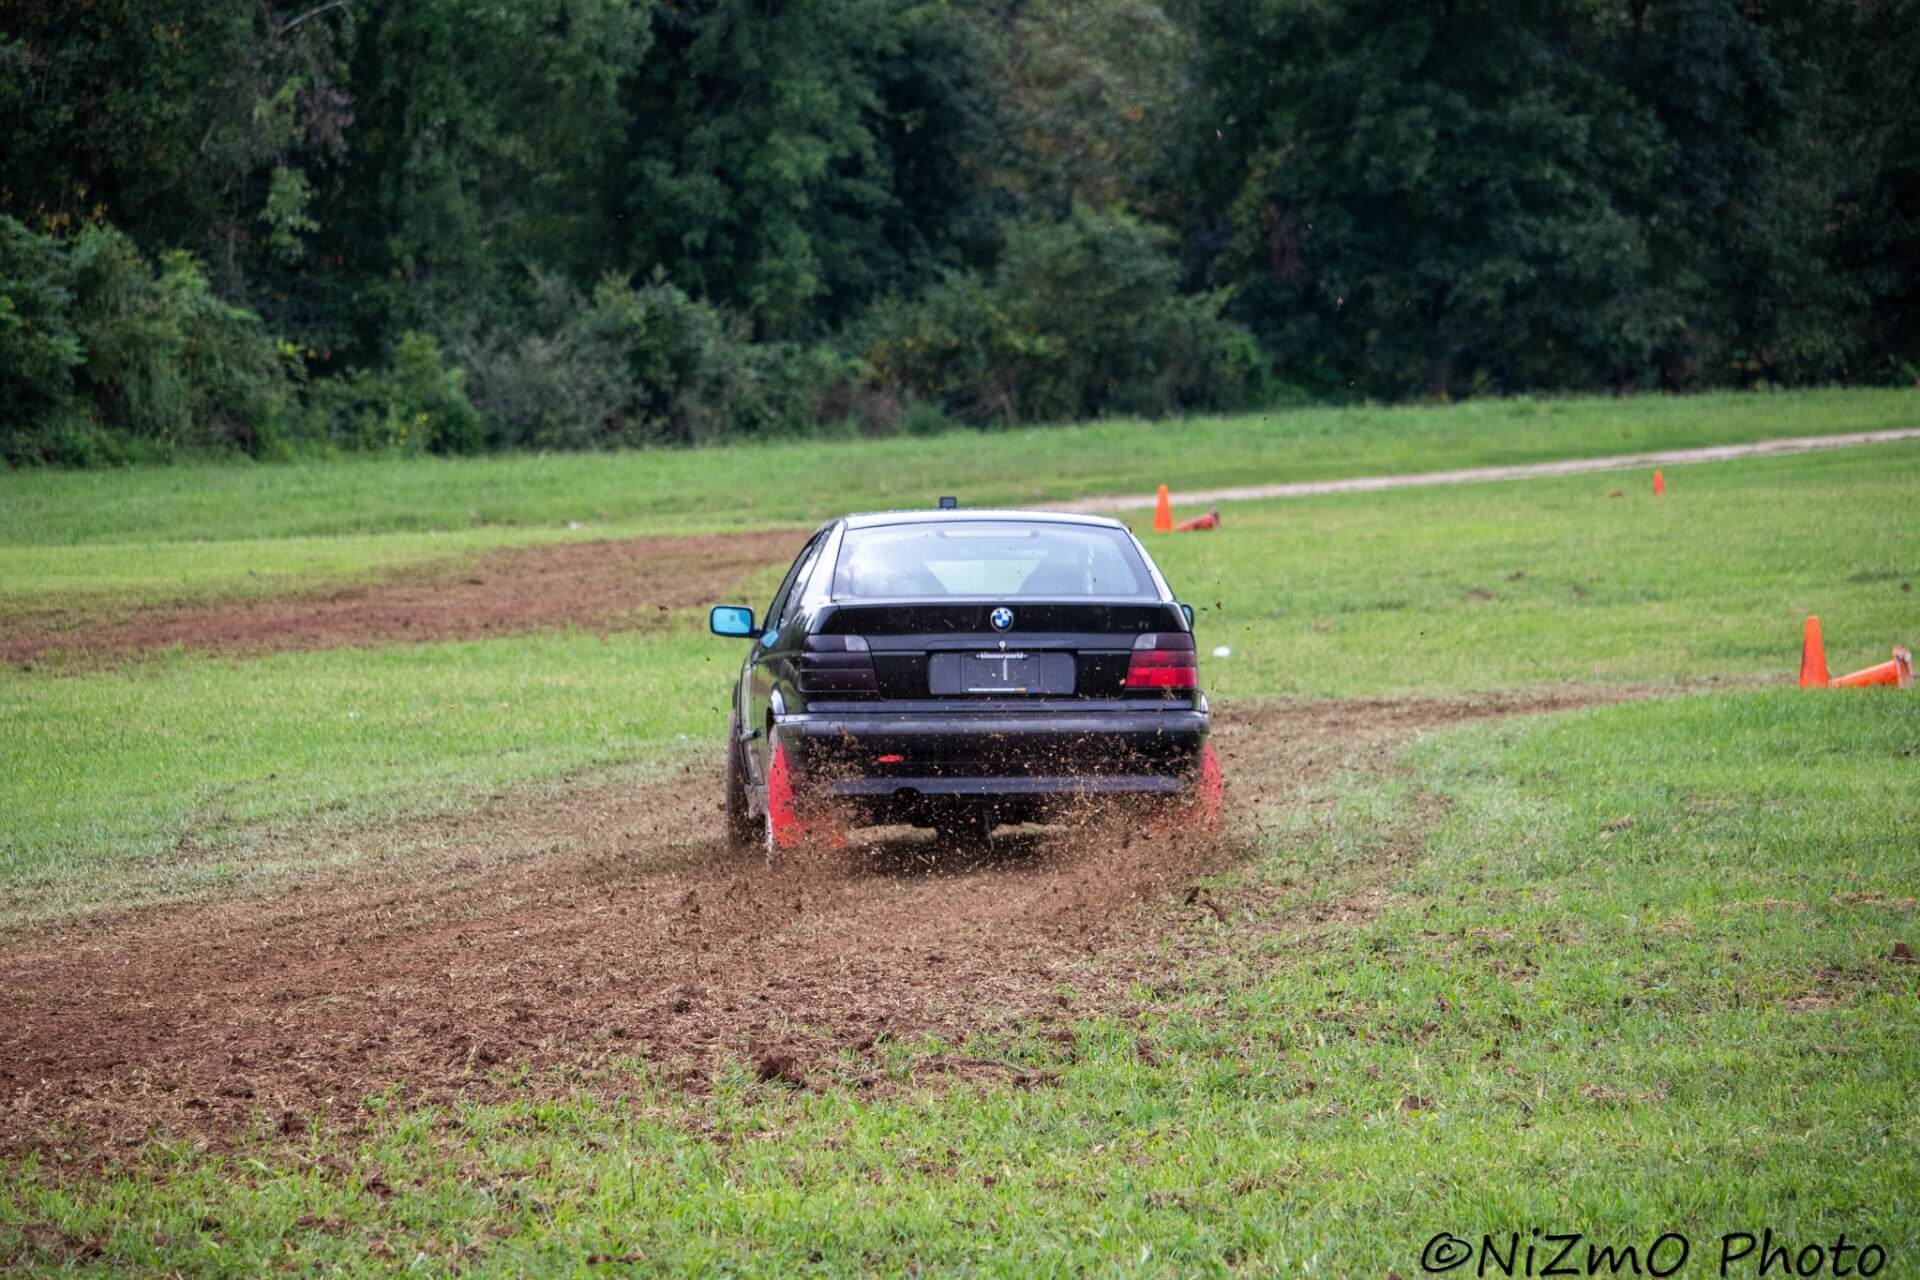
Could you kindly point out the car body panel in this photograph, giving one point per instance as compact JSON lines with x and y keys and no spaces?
{"x":1020,"y":753}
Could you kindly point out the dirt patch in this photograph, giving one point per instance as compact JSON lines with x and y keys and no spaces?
{"x":600,"y":586}
{"x":584,"y":929}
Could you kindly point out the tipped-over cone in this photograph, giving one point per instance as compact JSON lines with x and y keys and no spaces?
{"x":1211,"y":520}
{"x":1898,"y":672}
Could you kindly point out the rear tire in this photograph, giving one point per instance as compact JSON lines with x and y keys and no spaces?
{"x":742,"y":831}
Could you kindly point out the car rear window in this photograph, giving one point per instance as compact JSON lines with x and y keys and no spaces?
{"x":988,"y":558}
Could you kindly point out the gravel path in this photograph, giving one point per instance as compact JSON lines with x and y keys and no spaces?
{"x":1474,"y":475}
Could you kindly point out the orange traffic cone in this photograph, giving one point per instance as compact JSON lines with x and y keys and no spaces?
{"x":1813,"y":656}
{"x":1163,"y":513}
{"x":1898,"y":672}
{"x":1211,"y":520}
{"x":1659,"y":484}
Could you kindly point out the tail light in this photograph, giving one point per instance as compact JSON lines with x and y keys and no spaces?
{"x":1164,"y":660}
{"x":837,"y":664}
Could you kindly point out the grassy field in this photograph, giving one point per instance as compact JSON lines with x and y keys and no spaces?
{"x":102,"y":540}
{"x":1451,"y":590}
{"x":168,"y":779}
{"x":1554,"y":581}
{"x":1622,"y":972}
{"x":1636,"y":982}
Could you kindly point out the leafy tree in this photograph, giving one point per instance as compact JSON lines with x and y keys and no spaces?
{"x":1424,"y":196}
{"x":413,"y":404}
{"x":39,"y":346}
{"x":1548,"y":193}
{"x":794,"y":161}
{"x":190,"y":125}
{"x":105,"y":355}
{"x":583,"y":222}
{"x":1089,"y":88}
{"x":1849,"y":70}
{"x":479,"y":145}
{"x":1735,"y":213}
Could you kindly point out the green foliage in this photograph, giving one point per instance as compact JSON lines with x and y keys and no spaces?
{"x":288,"y":198}
{"x":691,"y":373}
{"x":106,"y":356}
{"x":413,"y":404}
{"x":1853,"y":71}
{"x":1443,"y":198}
{"x":1082,"y":317}
{"x":39,"y":349}
{"x":480,"y":141}
{"x":1425,"y":194}
{"x":173,"y":119}
{"x":1090,"y":84}
{"x":814,"y":158}
{"x":642,"y":364}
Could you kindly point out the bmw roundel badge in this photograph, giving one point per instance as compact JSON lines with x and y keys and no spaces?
{"x":1001,"y":618}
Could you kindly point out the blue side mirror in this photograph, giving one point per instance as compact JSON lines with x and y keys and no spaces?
{"x":1188,"y":610}
{"x":731,"y":620}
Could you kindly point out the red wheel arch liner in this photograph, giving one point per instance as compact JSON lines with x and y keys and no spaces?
{"x":782,"y":822}
{"x":1211,"y":794}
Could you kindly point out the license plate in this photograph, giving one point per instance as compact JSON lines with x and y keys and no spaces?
{"x":1009,"y":672}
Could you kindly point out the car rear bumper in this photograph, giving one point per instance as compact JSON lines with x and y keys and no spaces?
{"x":893,"y":761}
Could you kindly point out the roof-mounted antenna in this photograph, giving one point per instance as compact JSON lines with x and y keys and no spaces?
{"x":949,"y":504}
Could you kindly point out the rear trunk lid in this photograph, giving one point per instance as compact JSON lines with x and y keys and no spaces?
{"x":950,"y":650}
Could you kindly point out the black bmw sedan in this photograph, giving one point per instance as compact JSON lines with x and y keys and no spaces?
{"x":962,"y":669}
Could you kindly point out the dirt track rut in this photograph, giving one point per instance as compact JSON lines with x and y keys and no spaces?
{"x":631,"y":584}
{"x":631,"y":932}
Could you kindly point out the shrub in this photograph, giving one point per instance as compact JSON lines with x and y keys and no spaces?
{"x":105,"y":357}
{"x":39,"y":349}
{"x":1082,"y":317}
{"x":415,"y":404}
{"x":109,"y":358}
{"x":636,"y":364}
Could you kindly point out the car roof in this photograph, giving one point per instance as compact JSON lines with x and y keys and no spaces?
{"x":962,"y":515}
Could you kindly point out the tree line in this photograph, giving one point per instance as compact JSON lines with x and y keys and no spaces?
{"x":455,"y":226}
